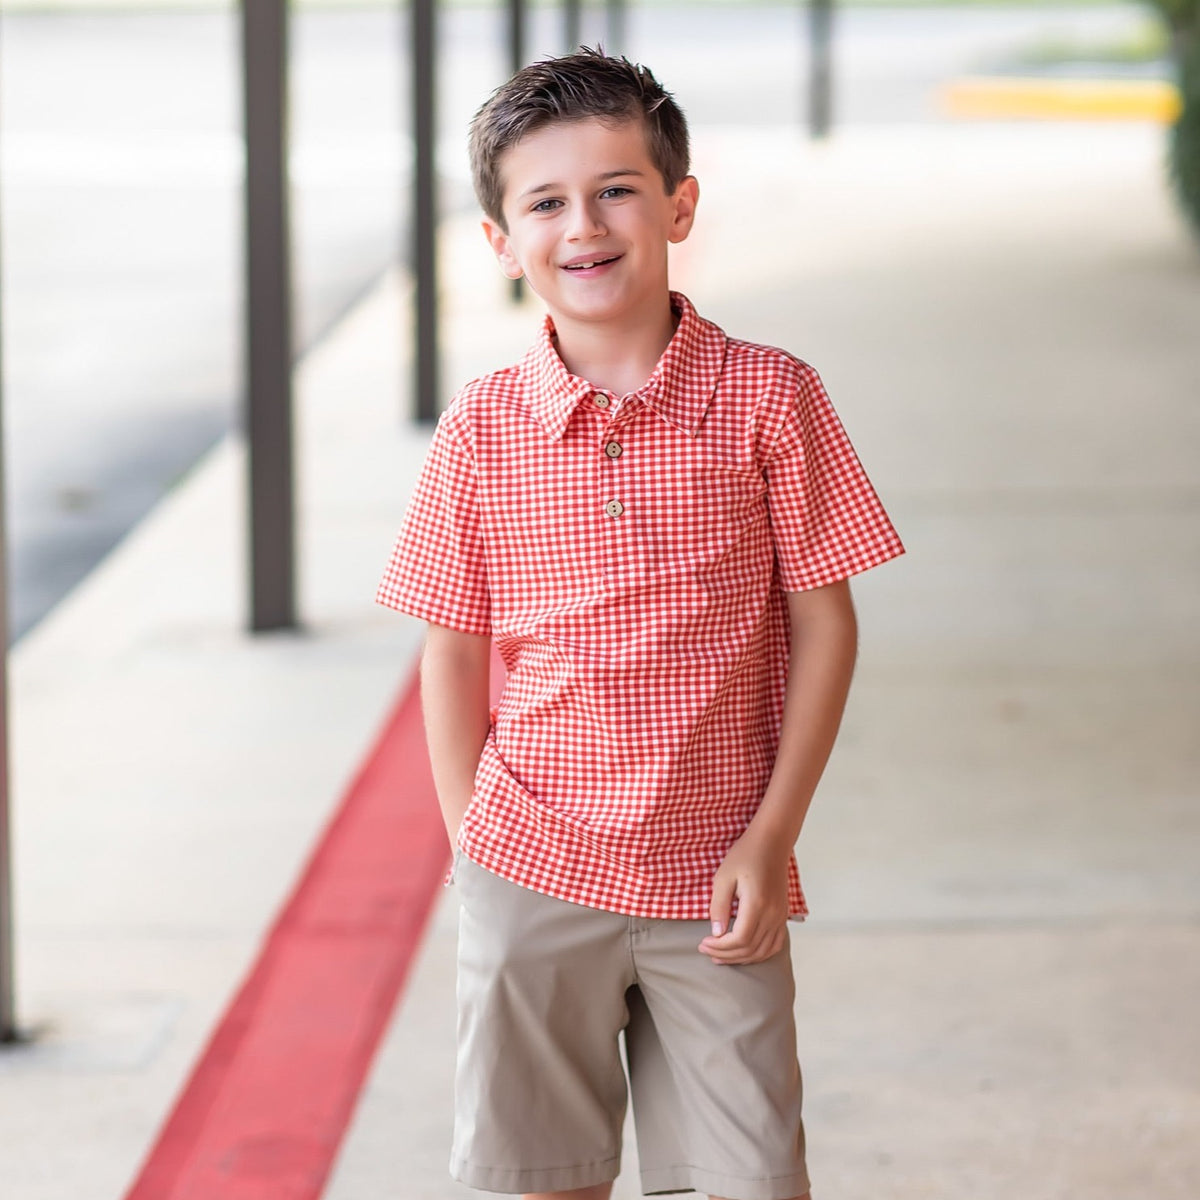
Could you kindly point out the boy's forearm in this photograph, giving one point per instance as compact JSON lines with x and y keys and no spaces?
{"x":824,"y":644}
{"x":455,"y":695}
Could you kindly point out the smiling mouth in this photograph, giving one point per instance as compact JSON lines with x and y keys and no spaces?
{"x":596,"y":262}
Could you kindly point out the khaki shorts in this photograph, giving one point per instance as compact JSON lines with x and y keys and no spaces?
{"x":545,"y":989}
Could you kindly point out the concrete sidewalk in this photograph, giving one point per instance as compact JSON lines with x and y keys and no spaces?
{"x":997,"y":984}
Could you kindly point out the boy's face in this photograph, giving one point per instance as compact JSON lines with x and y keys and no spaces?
{"x":589,"y":220}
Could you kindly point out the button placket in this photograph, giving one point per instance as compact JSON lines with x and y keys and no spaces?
{"x":613,"y":450}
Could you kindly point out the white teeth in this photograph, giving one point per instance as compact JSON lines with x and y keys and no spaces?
{"x":584,"y":266}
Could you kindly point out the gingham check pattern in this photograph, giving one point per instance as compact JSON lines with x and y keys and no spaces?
{"x":629,"y":555}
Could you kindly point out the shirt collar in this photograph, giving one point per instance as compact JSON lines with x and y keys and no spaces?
{"x":679,"y":390}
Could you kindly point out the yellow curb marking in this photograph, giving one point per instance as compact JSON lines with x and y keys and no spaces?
{"x":1063,"y":99}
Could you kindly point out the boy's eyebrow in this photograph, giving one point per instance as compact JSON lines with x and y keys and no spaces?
{"x":602,"y":177}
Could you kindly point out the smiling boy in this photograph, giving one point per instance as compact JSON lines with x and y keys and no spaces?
{"x":655,"y":524}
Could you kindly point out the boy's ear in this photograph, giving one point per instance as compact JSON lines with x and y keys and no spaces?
{"x":684,"y":200}
{"x":502,"y":248}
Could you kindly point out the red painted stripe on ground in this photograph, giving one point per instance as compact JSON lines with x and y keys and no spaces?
{"x":267,"y":1104}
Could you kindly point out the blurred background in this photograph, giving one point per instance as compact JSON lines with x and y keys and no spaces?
{"x":990,"y":250}
{"x":122,"y":205}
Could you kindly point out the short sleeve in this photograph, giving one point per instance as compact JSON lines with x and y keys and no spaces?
{"x":438,"y":570}
{"x":826,"y":520}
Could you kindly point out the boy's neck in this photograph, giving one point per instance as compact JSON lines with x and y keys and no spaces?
{"x":617,"y":356}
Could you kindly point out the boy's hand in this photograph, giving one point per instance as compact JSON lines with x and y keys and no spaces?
{"x":756,"y":872}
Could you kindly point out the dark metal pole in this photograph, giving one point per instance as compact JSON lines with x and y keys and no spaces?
{"x":517,"y":23}
{"x":424,"y":225}
{"x":615,"y":24}
{"x":572,"y":24}
{"x":8,"y":1015}
{"x":820,"y":70}
{"x":268,"y":316}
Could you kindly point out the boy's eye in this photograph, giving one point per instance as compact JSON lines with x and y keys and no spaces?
{"x":617,"y":190}
{"x":548,"y":205}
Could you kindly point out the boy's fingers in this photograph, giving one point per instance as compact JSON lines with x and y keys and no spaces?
{"x":721,"y":905}
{"x":766,"y":949}
{"x":747,"y":929}
{"x":745,"y":944}
{"x":735,"y":944}
{"x":742,"y":937}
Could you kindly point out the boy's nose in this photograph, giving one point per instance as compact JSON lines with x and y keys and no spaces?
{"x":585,"y":223}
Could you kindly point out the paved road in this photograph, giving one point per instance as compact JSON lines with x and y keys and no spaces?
{"x":121,"y":218}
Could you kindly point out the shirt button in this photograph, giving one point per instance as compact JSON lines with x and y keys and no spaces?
{"x":602,"y":401}
{"x":614,"y":508}
{"x":613,"y":450}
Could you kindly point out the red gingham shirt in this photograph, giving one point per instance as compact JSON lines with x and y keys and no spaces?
{"x":629,"y":556}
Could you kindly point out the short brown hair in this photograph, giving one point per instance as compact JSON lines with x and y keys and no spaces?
{"x":574,"y":88}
